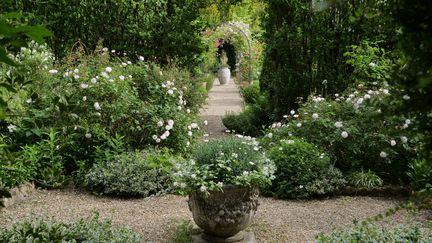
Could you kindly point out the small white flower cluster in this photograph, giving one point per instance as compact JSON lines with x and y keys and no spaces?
{"x":318,"y":99}
{"x":169,"y":126}
{"x":12,"y":128}
{"x":339,"y":124}
{"x":169,"y":86}
{"x":191,"y":127}
{"x":35,"y":53}
{"x":406,"y":123}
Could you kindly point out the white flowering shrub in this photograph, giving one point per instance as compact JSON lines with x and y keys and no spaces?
{"x":93,"y":98}
{"x":233,"y":160}
{"x":303,"y":171}
{"x":357,"y":129}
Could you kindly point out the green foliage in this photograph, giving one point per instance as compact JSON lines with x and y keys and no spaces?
{"x":361,"y":179}
{"x":240,"y":123}
{"x":251,"y":93}
{"x":231,"y":160}
{"x":183,"y":232}
{"x":160,"y":30}
{"x":357,"y":133}
{"x":15,"y":35}
{"x":362,"y":128}
{"x":252,"y":121}
{"x":14,"y":171}
{"x":370,"y":63}
{"x":92,"y":106}
{"x":305,"y":46}
{"x":414,"y":72}
{"x":420,"y":173}
{"x":90,"y":229}
{"x":302,"y":171}
{"x":209,"y":80}
{"x":132,"y":174}
{"x":368,"y":232}
{"x":44,"y":163}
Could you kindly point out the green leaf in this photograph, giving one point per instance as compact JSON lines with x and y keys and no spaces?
{"x":8,"y":87}
{"x":12,"y":15}
{"x":3,"y":106}
{"x":4,"y":58}
{"x":37,"y":33}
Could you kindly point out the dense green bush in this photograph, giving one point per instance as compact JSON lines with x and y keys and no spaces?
{"x":132,"y":174}
{"x":253,"y":120}
{"x":357,"y":132}
{"x":420,"y":173}
{"x":302,"y":171}
{"x":251,"y":93}
{"x":150,"y":28}
{"x":13,"y":171}
{"x":306,"y":42}
{"x":368,"y":232}
{"x":90,"y":229}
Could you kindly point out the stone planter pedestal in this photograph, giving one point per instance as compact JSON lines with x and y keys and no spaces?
{"x":224,"y":215}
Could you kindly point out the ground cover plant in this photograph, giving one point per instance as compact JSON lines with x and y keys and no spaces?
{"x":369,"y":232}
{"x":91,"y":229}
{"x":132,"y":174}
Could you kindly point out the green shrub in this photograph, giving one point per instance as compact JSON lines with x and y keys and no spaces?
{"x":302,"y":171}
{"x":368,"y":232}
{"x":306,"y":53}
{"x":90,"y":229}
{"x":361,"y":179}
{"x":251,"y":93}
{"x":160,"y":30}
{"x":14,"y":170}
{"x":420,"y":174}
{"x":240,"y":123}
{"x":253,"y":120}
{"x":85,"y":104}
{"x":44,"y":161}
{"x":132,"y":174}
{"x":358,"y":129}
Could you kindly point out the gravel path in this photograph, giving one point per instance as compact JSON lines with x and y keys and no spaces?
{"x":222,"y":100}
{"x":155,"y":217}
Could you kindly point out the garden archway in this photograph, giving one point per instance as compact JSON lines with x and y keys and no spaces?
{"x":238,"y":35}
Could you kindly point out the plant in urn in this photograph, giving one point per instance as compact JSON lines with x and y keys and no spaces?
{"x":222,"y":182}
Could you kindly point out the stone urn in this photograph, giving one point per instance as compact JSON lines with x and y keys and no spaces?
{"x":223,"y":215}
{"x":224,"y":75}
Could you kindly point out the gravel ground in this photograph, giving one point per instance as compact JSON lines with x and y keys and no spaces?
{"x":155,"y":217}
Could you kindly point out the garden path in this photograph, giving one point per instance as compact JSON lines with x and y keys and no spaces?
{"x":222,"y":100}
